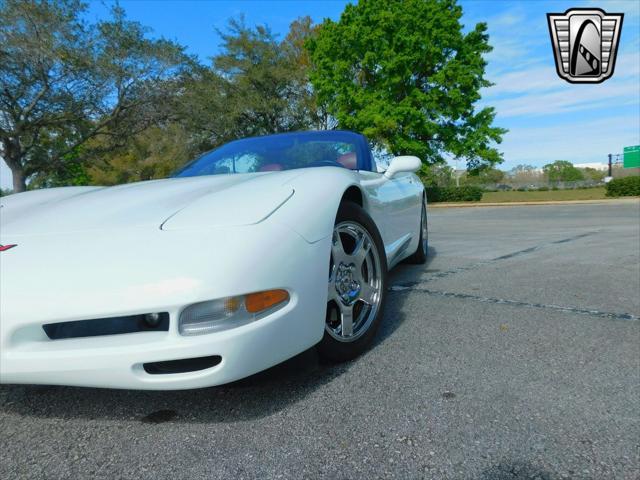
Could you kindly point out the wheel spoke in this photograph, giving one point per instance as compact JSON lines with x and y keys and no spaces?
{"x":332,"y":294}
{"x":346,"y":314}
{"x":337,"y":249}
{"x":368,"y":294}
{"x":361,"y":251}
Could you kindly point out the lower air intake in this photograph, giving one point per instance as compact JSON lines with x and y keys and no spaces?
{"x":151,"y":322}
{"x":184,"y":365}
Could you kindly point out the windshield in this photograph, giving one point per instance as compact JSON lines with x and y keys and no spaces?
{"x":278,"y":152}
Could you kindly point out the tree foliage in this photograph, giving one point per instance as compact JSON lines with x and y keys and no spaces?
{"x":524,"y":173}
{"x":63,"y":82}
{"x":562,"y":171}
{"x":437,"y":175}
{"x":257,"y":85}
{"x":153,"y":153}
{"x":107,"y":103}
{"x":404,"y":73}
{"x":483,"y":176}
{"x":593,"y":174}
{"x":624,"y":187}
{"x":265,"y":80}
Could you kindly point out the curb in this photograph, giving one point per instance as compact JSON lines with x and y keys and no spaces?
{"x":615,"y":201}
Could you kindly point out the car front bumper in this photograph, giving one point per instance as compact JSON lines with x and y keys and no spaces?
{"x":92,"y":275}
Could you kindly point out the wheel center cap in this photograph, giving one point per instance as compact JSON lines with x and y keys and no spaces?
{"x":347,"y":287}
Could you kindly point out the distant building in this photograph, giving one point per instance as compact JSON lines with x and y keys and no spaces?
{"x":594,"y":165}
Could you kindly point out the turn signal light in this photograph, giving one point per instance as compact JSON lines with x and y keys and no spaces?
{"x":230,"y":312}
{"x":257,"y":302}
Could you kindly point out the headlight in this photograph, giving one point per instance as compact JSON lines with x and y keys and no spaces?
{"x":230,"y":312}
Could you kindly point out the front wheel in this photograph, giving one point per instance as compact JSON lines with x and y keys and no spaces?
{"x":357,"y":285}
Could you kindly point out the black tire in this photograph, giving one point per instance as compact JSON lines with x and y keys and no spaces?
{"x":419,"y":257}
{"x":333,"y":350}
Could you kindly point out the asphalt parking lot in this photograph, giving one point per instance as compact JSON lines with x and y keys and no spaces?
{"x":514,"y":353}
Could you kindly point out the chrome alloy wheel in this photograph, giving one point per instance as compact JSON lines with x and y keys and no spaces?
{"x":355,"y":282}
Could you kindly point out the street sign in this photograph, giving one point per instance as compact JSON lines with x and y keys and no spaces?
{"x":631,"y":157}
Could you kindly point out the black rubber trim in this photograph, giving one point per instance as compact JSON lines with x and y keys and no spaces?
{"x":106,"y":326}
{"x":183,"y":365}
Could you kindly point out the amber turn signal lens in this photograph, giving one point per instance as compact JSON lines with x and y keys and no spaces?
{"x":257,"y":302}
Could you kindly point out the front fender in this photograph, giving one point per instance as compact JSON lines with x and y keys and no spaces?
{"x":311,"y":212}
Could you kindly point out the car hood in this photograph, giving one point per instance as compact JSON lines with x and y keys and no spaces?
{"x":172,"y":203}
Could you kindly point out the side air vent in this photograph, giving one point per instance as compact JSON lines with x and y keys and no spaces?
{"x":183,"y":365}
{"x":150,"y":322}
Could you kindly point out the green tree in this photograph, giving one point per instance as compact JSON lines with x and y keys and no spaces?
{"x":404,"y":73}
{"x":153,"y":153}
{"x":71,"y":171}
{"x":265,"y":80}
{"x":257,"y":85}
{"x":437,"y":175}
{"x":63,"y":82}
{"x":593,"y":174}
{"x":523,"y":173}
{"x":483,"y":176}
{"x":301,"y":31}
{"x":204,"y":111}
{"x":562,"y":171}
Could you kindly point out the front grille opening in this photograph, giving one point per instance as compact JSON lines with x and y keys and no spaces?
{"x":150,"y":322}
{"x":184,"y":365}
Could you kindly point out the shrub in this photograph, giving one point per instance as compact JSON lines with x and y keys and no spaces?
{"x":543,"y":189}
{"x":467,"y":193}
{"x":623,"y":187}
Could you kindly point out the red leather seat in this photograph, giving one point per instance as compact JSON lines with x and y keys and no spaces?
{"x":271,"y":167}
{"x":349,"y":160}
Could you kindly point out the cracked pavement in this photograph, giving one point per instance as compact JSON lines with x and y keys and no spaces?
{"x":513,"y":354}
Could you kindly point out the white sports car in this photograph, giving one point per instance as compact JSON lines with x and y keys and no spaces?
{"x":247,"y":256}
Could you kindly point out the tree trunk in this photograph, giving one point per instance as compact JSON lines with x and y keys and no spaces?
{"x":19,"y":181}
{"x":10,"y":149}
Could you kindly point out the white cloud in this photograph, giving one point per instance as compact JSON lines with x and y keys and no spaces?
{"x":566,"y":100}
{"x":535,"y":79}
{"x":578,"y":142}
{"x":539,"y":91}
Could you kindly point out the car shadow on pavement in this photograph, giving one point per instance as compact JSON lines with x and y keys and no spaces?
{"x":402,"y":273}
{"x":515,"y":470}
{"x":257,"y":396}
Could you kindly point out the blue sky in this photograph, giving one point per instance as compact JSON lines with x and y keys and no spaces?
{"x":548,"y":119}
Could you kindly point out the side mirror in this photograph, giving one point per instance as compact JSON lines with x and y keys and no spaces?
{"x":405,"y":163}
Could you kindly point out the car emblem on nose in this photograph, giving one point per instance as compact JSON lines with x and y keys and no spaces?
{"x":585,"y":43}
{"x":7,"y":247}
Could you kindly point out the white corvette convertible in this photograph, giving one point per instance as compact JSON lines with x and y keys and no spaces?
{"x":247,"y":256}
